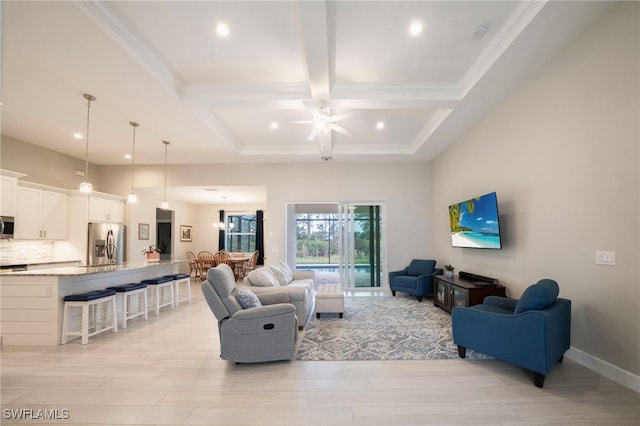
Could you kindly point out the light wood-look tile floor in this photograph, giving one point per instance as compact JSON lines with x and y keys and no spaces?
{"x":167,"y":371}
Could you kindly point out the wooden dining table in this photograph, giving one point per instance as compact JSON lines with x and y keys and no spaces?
{"x":237,"y":262}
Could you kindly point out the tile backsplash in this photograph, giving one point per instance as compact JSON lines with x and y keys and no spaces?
{"x":17,"y":252}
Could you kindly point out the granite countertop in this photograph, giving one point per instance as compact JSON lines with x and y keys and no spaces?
{"x":88,"y":270}
{"x":14,"y":262}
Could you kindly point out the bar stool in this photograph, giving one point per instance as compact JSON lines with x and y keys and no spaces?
{"x":159,"y":285}
{"x":90,"y":303}
{"x":177,"y":280}
{"x":128,"y":291}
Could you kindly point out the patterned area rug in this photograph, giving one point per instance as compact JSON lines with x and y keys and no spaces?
{"x":381,"y":328}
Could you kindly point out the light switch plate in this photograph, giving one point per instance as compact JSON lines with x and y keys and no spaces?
{"x":606,"y":258}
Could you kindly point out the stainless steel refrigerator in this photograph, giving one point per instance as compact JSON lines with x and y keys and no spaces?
{"x":106,"y":244}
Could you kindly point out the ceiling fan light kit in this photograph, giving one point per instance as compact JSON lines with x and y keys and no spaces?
{"x":323,"y":122}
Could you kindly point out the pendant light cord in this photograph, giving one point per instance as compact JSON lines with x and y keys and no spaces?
{"x":89,"y":98}
{"x":133,"y":152}
{"x":166,"y":146}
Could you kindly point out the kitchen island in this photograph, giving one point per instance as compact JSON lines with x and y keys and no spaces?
{"x":32,"y":301}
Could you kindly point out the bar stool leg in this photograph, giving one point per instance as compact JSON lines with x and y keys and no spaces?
{"x":158,"y":299}
{"x":125,"y":307}
{"x":85,"y":323}
{"x":114,"y":314}
{"x":146,"y":315}
{"x":65,"y":325}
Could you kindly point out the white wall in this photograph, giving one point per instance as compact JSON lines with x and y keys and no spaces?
{"x":144,"y":211}
{"x":562,"y":152}
{"x":402,"y":187}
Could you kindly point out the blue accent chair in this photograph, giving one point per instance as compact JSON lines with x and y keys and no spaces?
{"x":533,"y":332}
{"x":416,"y":279}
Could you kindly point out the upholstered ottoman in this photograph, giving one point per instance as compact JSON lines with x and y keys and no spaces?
{"x":329,"y":300}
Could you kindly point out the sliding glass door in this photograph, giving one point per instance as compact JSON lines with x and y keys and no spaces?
{"x":360,"y":245}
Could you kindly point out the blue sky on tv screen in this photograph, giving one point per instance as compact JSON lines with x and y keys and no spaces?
{"x":485,"y":215}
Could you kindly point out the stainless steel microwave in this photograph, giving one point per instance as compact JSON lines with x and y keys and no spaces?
{"x":6,"y":227}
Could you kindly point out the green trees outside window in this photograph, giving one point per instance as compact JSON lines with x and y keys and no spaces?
{"x":317,"y":238}
{"x":241,"y":232}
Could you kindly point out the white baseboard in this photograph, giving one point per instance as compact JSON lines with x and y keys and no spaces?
{"x":608,"y":370}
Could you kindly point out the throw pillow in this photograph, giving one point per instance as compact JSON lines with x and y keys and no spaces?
{"x":248,"y":299}
{"x":538,"y":296}
{"x":262,"y":277}
{"x":419,"y":267}
{"x":279,"y":274}
{"x":286,"y":269}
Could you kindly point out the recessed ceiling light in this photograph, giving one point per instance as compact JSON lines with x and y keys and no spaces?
{"x":77,"y":135}
{"x":127,"y":156}
{"x":274,"y":125}
{"x":415,"y":29}
{"x":380,"y":125}
{"x":222,"y":29}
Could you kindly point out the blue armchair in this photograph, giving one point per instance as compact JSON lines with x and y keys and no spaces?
{"x":416,"y":279}
{"x":533,"y":332}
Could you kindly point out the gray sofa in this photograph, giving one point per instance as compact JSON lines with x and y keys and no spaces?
{"x":301,"y":291}
{"x":257,"y":334}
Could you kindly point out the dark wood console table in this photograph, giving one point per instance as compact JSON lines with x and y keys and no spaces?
{"x":455,"y":291}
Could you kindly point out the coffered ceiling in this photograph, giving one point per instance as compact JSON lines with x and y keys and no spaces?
{"x":241,"y":97}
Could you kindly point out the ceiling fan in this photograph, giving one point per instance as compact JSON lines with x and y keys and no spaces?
{"x":323,"y":122}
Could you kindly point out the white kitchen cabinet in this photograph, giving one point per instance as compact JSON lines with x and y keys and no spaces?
{"x":106,"y":209}
{"x":40,"y":214}
{"x":8,"y":191}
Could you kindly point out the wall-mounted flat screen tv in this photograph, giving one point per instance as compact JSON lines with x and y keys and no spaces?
{"x":474,"y":223}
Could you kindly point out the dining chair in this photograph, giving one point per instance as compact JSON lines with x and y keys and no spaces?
{"x":206,"y":260}
{"x":222,"y":256}
{"x":250,"y":264}
{"x":194,"y":265}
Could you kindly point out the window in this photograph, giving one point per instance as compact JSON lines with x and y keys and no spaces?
{"x":317,"y":238}
{"x":241,"y":232}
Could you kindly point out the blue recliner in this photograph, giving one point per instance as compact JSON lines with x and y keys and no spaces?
{"x":533,"y":332}
{"x":416,"y":279}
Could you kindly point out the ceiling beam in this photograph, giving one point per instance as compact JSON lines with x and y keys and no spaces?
{"x":318,"y":53}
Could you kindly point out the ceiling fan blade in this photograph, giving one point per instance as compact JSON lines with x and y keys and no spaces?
{"x":342,"y":130}
{"x":344,"y":115}
{"x":312,"y":135}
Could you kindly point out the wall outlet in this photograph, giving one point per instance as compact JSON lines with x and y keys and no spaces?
{"x":606,"y":258}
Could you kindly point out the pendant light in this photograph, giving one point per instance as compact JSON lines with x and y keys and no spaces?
{"x":132,"y":197}
{"x":165,"y":204}
{"x":86,"y":186}
{"x":221,"y":225}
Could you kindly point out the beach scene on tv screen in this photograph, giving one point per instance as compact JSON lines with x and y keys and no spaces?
{"x":474,"y":223}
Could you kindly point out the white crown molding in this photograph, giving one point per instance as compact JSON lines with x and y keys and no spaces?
{"x":283,"y":93}
{"x":517,"y":22}
{"x":215,"y":124}
{"x":396,"y":91}
{"x":432,"y":125}
{"x":111,"y":23}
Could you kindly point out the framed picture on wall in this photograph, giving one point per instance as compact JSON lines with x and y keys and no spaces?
{"x":185,"y":233}
{"x":143,"y":231}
